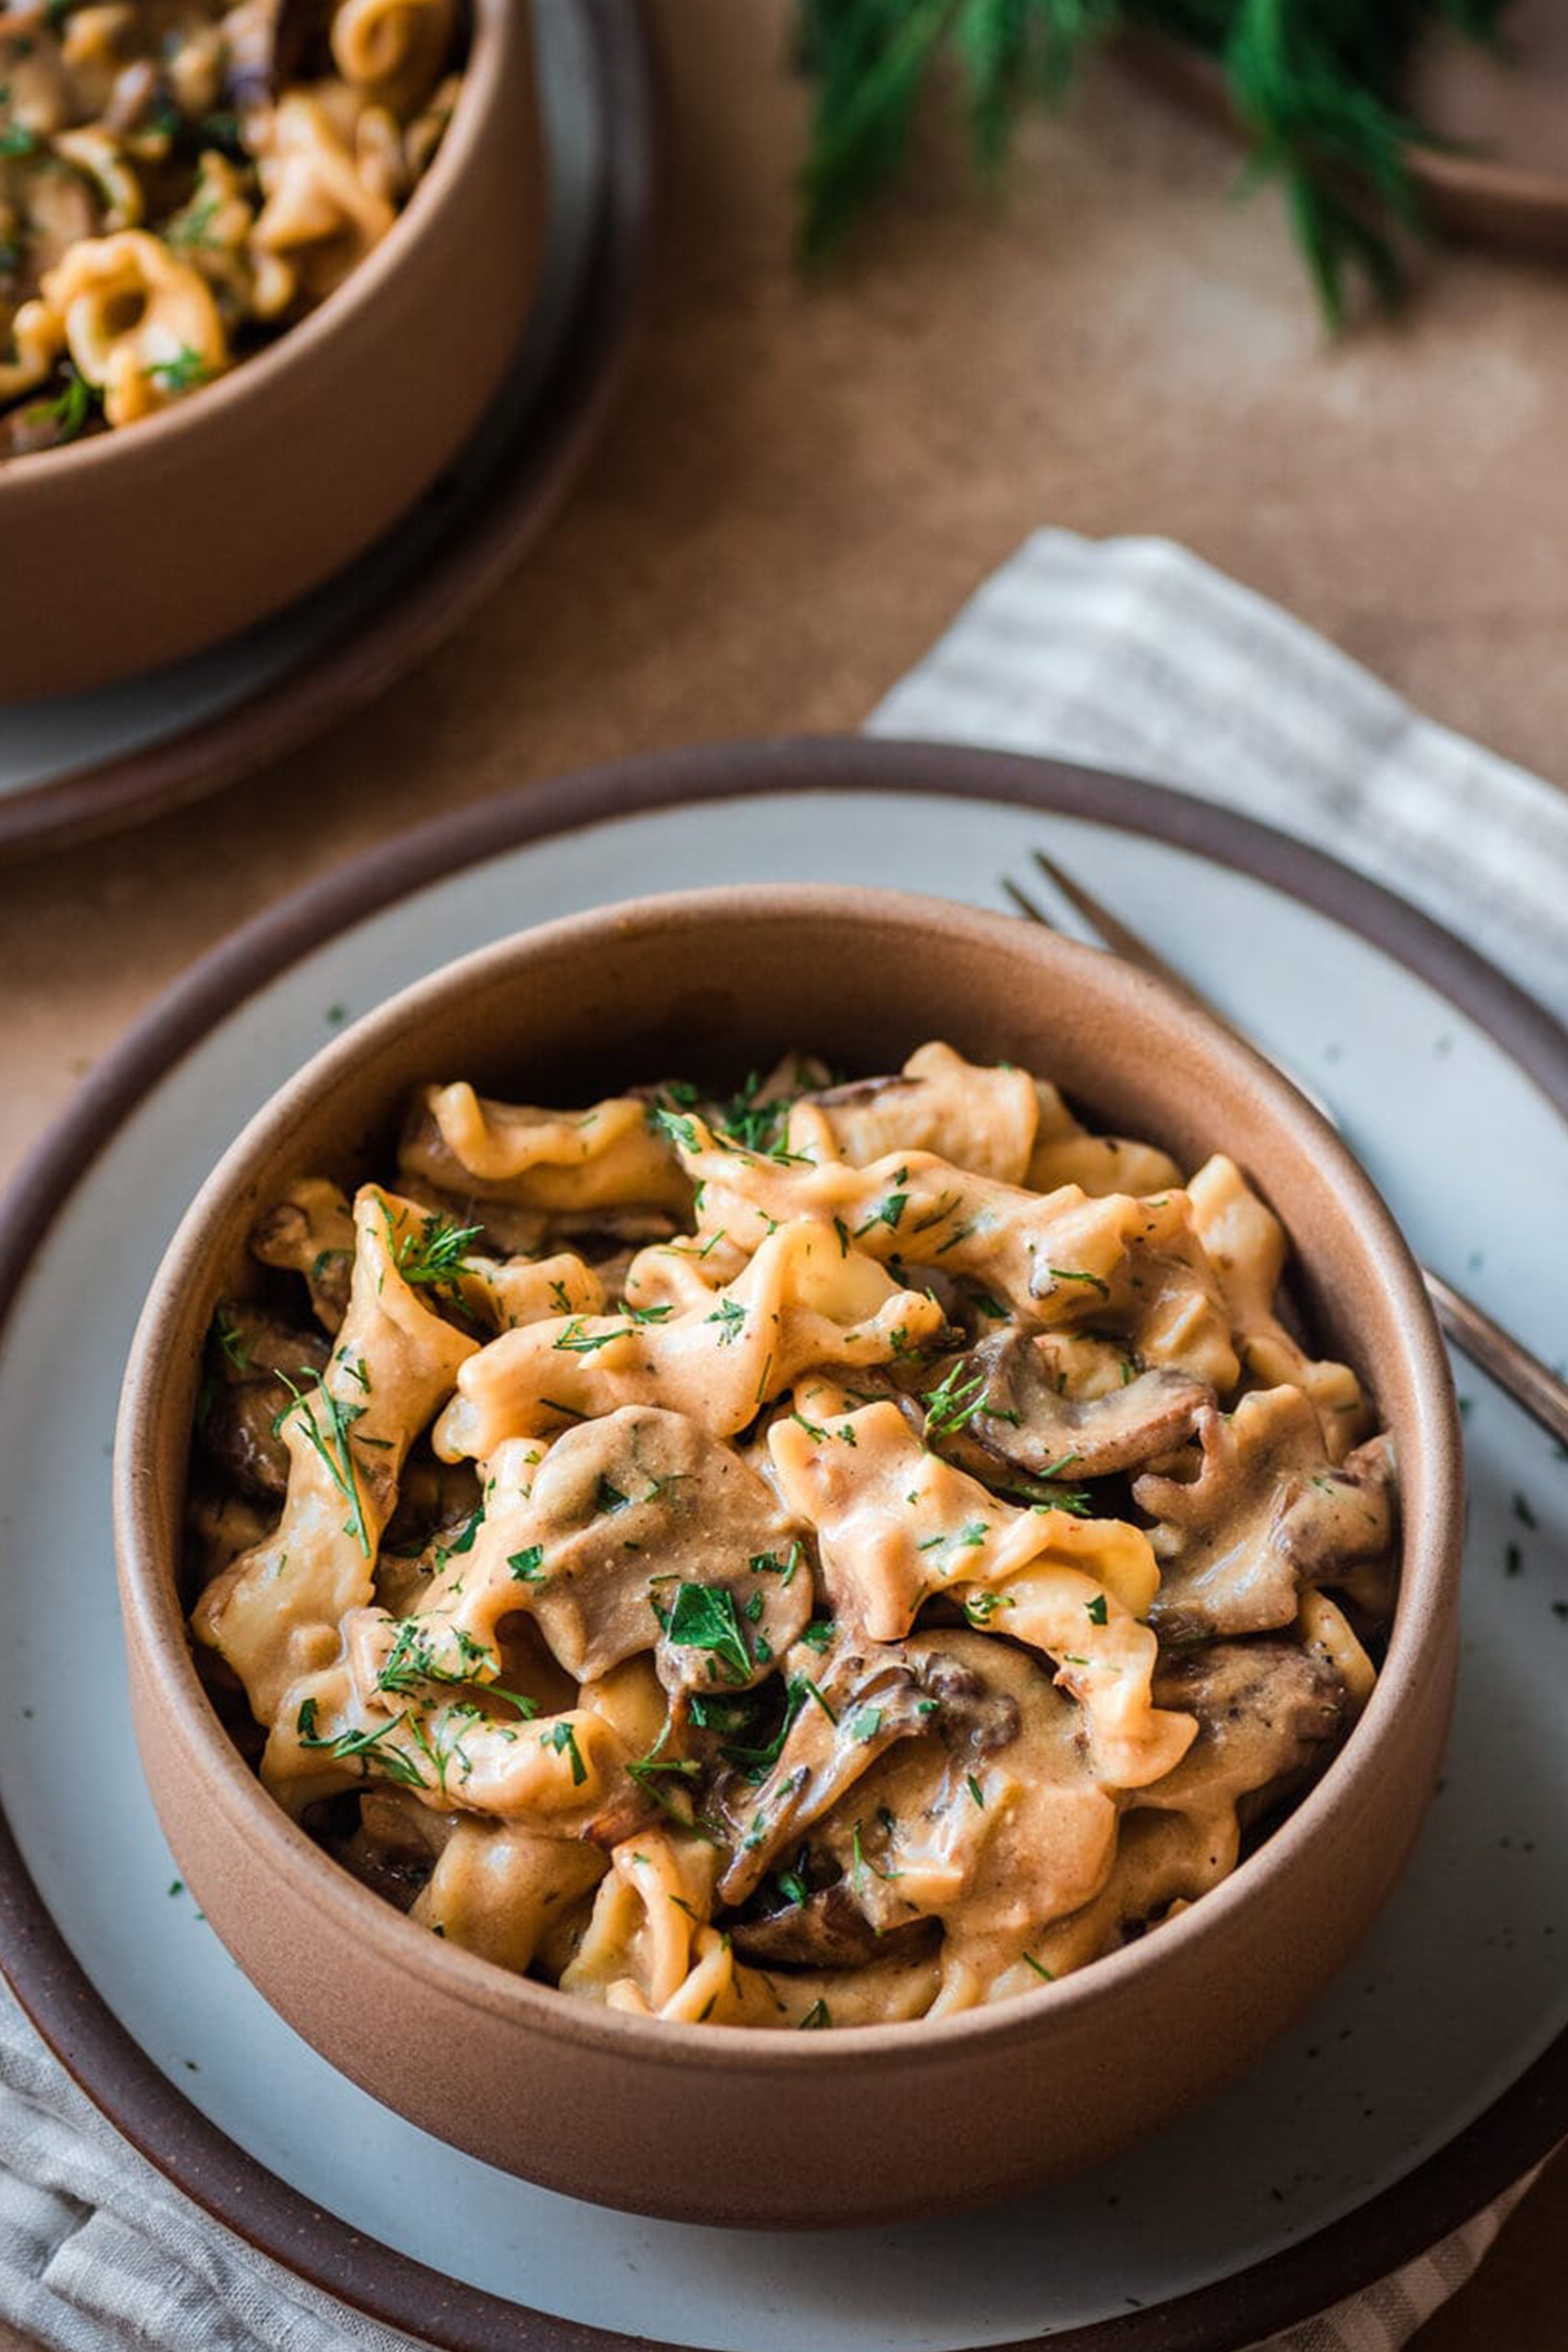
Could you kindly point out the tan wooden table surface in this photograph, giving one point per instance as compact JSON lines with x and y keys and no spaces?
{"x":803,"y":483}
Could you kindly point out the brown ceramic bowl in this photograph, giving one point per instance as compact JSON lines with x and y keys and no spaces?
{"x":732,"y":2124}
{"x":133,"y":549}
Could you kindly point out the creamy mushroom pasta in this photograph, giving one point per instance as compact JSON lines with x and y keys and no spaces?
{"x":182,"y":178}
{"x":846,"y":1552}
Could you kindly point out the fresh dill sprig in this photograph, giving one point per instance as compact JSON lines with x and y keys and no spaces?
{"x":1315,"y":83}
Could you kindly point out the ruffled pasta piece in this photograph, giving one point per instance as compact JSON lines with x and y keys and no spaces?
{"x":1326,"y":1634}
{"x":1246,"y":1246}
{"x":275,"y":1615}
{"x":499,"y":1890}
{"x":804,"y":1300}
{"x":607,"y":1157}
{"x":97,"y":155}
{"x":319,"y":218}
{"x":650,"y":1928}
{"x":1163,"y":1862}
{"x":29,"y":350}
{"x":1065,"y":1152}
{"x":140,"y":325}
{"x":896,"y":1524}
{"x":980,"y":1119}
{"x":1062,"y":1260}
{"x":1264,"y":1513}
{"x":393,"y":51}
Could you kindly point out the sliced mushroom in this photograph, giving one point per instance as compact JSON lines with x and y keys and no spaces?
{"x":1026,"y":1419}
{"x":994,"y":1822}
{"x":649,"y":1532}
{"x":394,"y":1845}
{"x":311,"y":1232}
{"x":828,"y":1929}
{"x":1270,"y":1714}
{"x":1264,"y":1513}
{"x":256,"y":1357}
{"x":1342,"y":1519}
{"x":862,"y":1697}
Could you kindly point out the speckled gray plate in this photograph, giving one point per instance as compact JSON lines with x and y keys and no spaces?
{"x":1421,"y":2082}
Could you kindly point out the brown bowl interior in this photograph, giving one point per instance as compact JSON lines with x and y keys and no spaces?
{"x":972,"y":2107}
{"x":219,"y":511}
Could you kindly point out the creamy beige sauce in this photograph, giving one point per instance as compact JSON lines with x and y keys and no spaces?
{"x":180,"y":180}
{"x":841,"y":1554}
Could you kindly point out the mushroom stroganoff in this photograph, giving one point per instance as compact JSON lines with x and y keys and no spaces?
{"x":843,"y":1553}
{"x":182,"y":178}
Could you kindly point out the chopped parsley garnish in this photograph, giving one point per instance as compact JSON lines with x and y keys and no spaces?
{"x":527,"y":1566}
{"x":1097,"y":1611}
{"x":183,"y":373}
{"x":674,"y":1126}
{"x":703,"y":1617}
{"x":976,"y":1791}
{"x":816,"y":2016}
{"x":1040,"y":1971}
{"x":437,"y":1254}
{"x":231,"y":1339}
{"x":825,"y":1704}
{"x":331,"y":1444}
{"x":464,"y":1540}
{"x":1075,"y":1274}
{"x":562,"y":1739}
{"x":768,"y":1564}
{"x":818,"y":1634}
{"x":575,"y":1341}
{"x":730,"y":1315}
{"x":366,"y":1746}
{"x":981,"y":1608}
{"x":974,"y":1534}
{"x":651,"y":1315}
{"x":888,"y":1212}
{"x":864,"y":1724}
{"x":952,"y":1405}
{"x":608,"y":1498}
{"x":71,"y":411}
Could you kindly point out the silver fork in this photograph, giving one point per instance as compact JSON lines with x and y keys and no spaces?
{"x":1529,"y":1382}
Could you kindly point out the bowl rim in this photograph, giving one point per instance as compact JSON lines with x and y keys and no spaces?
{"x":496,"y":26}
{"x":1428,"y":1573}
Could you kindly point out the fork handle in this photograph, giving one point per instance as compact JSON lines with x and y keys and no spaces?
{"x":1543,"y":1396}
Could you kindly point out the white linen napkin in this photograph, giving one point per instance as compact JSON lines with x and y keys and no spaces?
{"x":1130,"y":654}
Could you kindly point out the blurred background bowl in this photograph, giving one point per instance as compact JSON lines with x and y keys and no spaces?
{"x":133,"y":549}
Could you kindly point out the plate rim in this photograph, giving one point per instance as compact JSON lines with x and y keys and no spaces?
{"x":349,"y":665}
{"x":236,"y":2188}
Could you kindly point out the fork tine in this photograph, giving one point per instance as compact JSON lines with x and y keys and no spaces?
{"x":1026,"y":905}
{"x":1116,"y":934}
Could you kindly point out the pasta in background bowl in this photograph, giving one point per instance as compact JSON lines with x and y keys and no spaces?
{"x":852,"y":1555}
{"x":262,"y":266}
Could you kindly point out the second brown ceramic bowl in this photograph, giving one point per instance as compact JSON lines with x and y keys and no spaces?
{"x":738,"y":2125}
{"x":134,"y":549}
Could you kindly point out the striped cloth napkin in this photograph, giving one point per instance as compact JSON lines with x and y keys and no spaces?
{"x":1127,"y":654}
